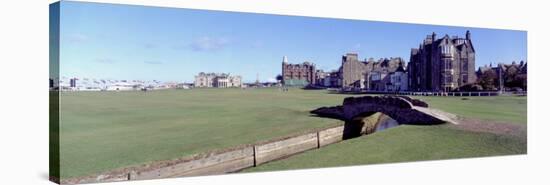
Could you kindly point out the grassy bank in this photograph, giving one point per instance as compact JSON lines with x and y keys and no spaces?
{"x":497,"y":108}
{"x":106,"y":130}
{"x":402,"y":144}
{"x":417,"y":143}
{"x":101,"y":131}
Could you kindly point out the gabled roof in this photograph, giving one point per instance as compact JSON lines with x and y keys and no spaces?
{"x":414,"y":51}
{"x":400,"y":69}
{"x":471,"y":46}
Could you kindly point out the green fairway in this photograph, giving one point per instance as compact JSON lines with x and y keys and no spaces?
{"x":101,"y":131}
{"x":106,"y":130}
{"x":497,"y":108}
{"x":417,"y":143}
{"x":401,"y":144}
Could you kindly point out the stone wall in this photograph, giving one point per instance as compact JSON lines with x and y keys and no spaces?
{"x":331,"y":135}
{"x":403,"y":109}
{"x":202,"y":164}
{"x":279,"y":149}
{"x":215,"y":164}
{"x":222,"y":161}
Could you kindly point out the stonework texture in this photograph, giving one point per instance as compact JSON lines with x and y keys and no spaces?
{"x":442,"y":64}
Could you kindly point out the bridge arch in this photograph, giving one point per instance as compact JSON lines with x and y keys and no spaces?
{"x":403,"y":109}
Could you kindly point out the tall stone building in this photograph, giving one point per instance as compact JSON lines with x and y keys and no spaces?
{"x":219,"y":80}
{"x":352,"y":71}
{"x":298,"y":74}
{"x":367,"y":74}
{"x":442,"y":64}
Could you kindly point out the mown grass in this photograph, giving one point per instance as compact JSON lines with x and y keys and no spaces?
{"x":512,"y":109}
{"x":403,"y":144}
{"x":418,"y":143}
{"x":100,"y":131}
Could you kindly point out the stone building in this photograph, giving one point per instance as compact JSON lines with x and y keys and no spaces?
{"x":367,"y":74}
{"x":218,"y":80}
{"x":442,"y":64}
{"x":320,"y":77}
{"x":352,"y":71}
{"x":506,"y":75}
{"x":298,"y":74}
{"x":332,"y":79}
{"x":335,"y":80}
{"x":399,"y":80}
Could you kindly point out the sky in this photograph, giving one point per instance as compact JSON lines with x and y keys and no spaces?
{"x":129,"y":42}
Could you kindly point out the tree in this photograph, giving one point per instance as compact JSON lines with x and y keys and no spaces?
{"x":510,"y":77}
{"x":520,"y":80}
{"x":487,"y":80}
{"x":279,"y":78}
{"x":471,"y":87}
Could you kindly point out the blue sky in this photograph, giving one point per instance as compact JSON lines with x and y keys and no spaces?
{"x":174,"y":44}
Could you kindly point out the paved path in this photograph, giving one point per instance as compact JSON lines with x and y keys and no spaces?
{"x":439,"y":114}
{"x":405,"y":110}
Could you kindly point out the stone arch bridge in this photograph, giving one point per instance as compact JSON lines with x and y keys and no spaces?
{"x":403,"y":109}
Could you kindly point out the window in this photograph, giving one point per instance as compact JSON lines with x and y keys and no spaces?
{"x":464,"y":64}
{"x":448,"y":64}
{"x":447,"y":49}
{"x":448,"y":79}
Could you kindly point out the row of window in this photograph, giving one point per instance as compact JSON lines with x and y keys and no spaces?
{"x":449,"y":78}
{"x":296,"y":75}
{"x":299,"y":68}
{"x":447,"y":49}
{"x":449,"y":64}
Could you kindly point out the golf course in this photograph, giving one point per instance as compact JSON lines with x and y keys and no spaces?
{"x":102,"y":131}
{"x":493,"y":126}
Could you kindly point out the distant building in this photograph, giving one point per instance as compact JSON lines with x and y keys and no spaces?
{"x":367,"y":74}
{"x":352,"y":71}
{"x":443,"y":64}
{"x":333,"y":79}
{"x":182,"y":86}
{"x":218,"y":80}
{"x":72,"y":82}
{"x":506,"y":75}
{"x":399,"y":80}
{"x":320,"y":77}
{"x":298,"y":74}
{"x":121,"y":86}
{"x":328,"y":79}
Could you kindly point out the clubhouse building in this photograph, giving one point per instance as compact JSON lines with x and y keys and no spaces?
{"x":217,"y":80}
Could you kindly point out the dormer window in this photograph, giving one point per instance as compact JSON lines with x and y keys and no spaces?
{"x":446,"y":49}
